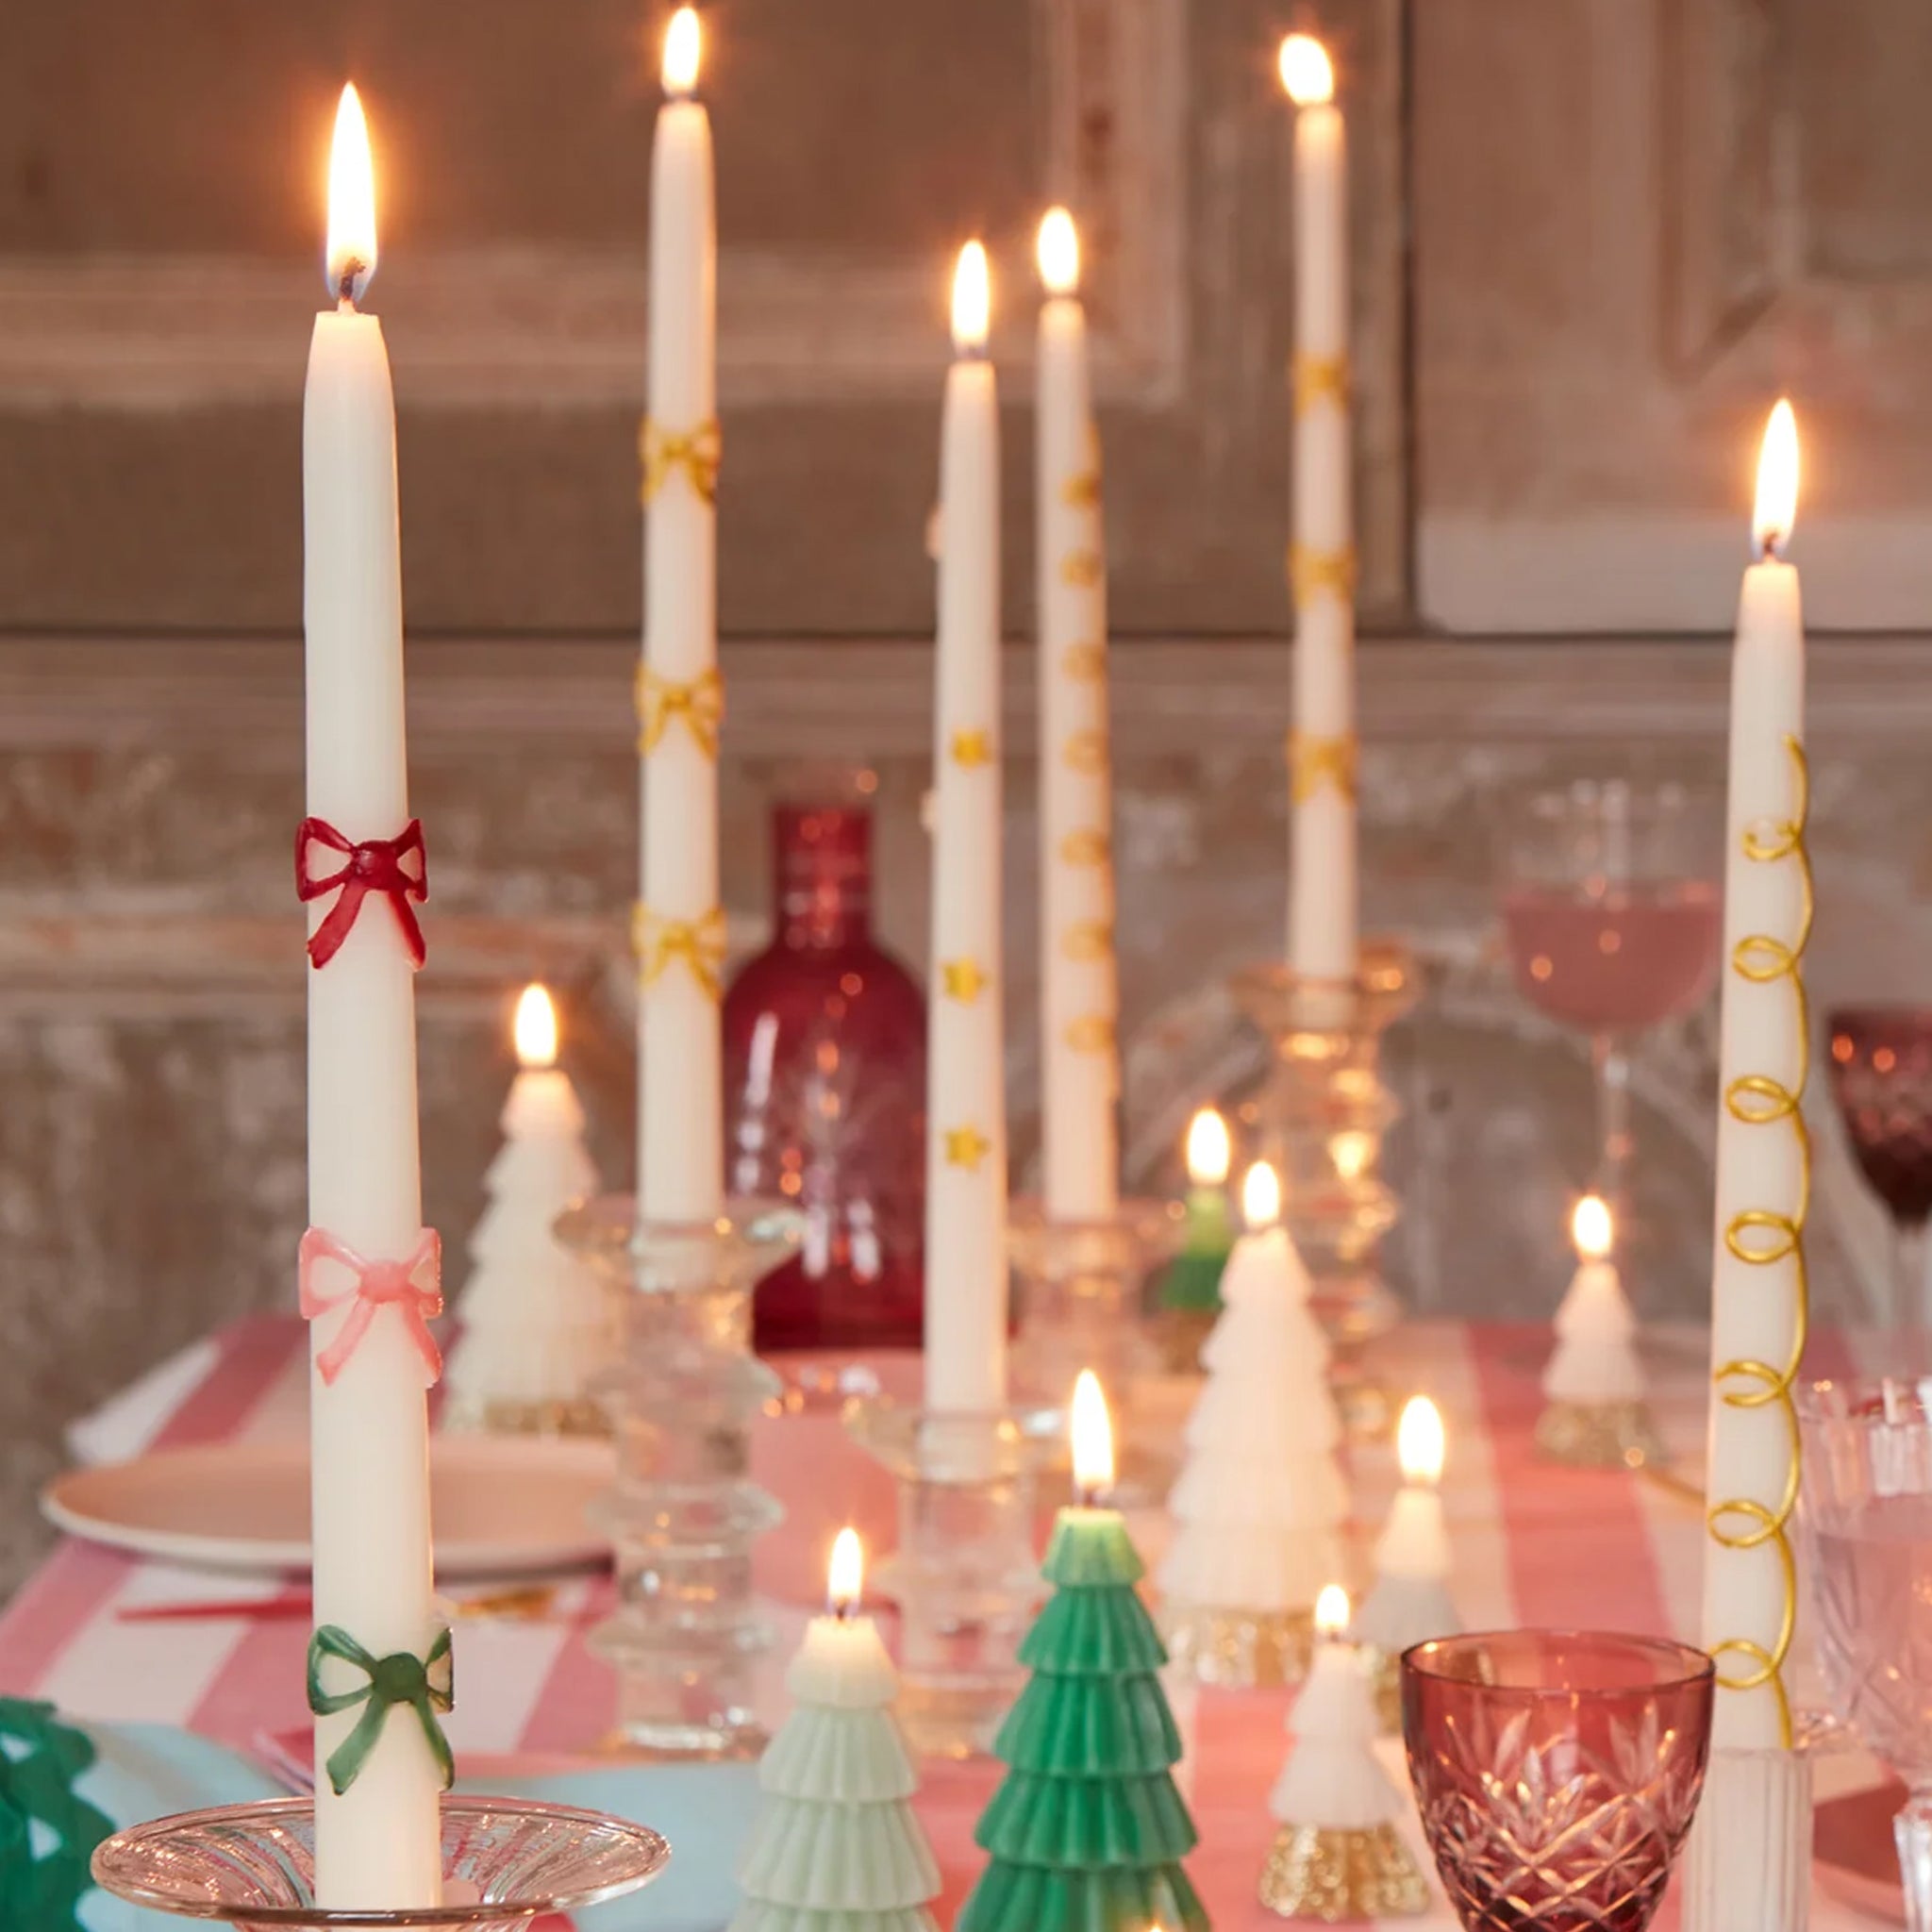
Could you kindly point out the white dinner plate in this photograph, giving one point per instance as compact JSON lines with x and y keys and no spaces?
{"x":506,"y":1504}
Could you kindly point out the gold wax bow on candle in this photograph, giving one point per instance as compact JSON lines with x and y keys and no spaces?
{"x":697,"y":453}
{"x":699,"y":942}
{"x":1320,"y":376}
{"x":1314,"y":761}
{"x":1311,"y":572}
{"x":699,"y":702}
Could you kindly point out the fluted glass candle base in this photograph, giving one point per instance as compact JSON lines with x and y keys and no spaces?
{"x":1749,"y":1867}
{"x":505,"y":1862}
{"x":1081,"y":1287}
{"x":965,"y":1575}
{"x":684,"y":1513}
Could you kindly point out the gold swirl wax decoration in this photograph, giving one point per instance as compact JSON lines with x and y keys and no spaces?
{"x":696,"y":452}
{"x":1761,"y":1236}
{"x":1311,"y":571}
{"x":699,"y":944}
{"x":699,"y":703}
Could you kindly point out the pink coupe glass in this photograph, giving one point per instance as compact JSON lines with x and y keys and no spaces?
{"x":1555,"y":1771}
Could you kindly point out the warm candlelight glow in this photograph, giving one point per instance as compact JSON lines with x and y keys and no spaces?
{"x":1777,"y":482}
{"x":1092,"y":1432}
{"x":972,"y":300}
{"x":1209,"y":1149}
{"x":1591,"y":1227}
{"x":1306,"y":71}
{"x":1060,"y":252}
{"x":1419,"y":1441}
{"x":1350,"y":1151}
{"x":1331,"y":1611}
{"x":845,"y":1574}
{"x":1260,"y":1197}
{"x":682,"y":42}
{"x":536,"y":1028}
{"x":351,"y":256}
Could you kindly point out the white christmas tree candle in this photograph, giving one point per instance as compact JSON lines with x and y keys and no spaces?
{"x":1321,"y":744}
{"x":1594,"y":1362}
{"x":378,"y":1842}
{"x":1081,"y":1071}
{"x":966,"y":1145}
{"x":536,"y":1331}
{"x":680,"y":925}
{"x":1260,"y":1498}
{"x":1410,"y":1601}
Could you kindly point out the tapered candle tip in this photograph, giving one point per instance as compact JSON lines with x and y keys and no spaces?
{"x":972,"y":300}
{"x":683,"y":43}
{"x":1776,"y":508}
{"x":351,"y":252}
{"x":1058,"y":252}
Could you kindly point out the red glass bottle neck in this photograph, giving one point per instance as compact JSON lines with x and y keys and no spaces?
{"x":823,"y":875}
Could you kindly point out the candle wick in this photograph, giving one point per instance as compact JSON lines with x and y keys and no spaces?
{"x":346,"y":285}
{"x":1771,"y":539}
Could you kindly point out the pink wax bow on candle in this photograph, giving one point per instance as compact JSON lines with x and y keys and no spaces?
{"x":414,"y":1286}
{"x":372,"y":865}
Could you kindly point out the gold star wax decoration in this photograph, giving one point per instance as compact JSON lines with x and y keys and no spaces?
{"x":1080,"y":568}
{"x":963,"y":979}
{"x":1083,"y":664}
{"x":1086,"y":752}
{"x":966,"y":1147}
{"x":971,"y":748}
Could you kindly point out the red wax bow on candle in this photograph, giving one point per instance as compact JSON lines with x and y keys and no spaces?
{"x":414,"y":1286}
{"x":375,"y":865}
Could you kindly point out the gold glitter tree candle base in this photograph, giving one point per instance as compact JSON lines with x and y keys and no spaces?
{"x":1599,"y":1435}
{"x":1321,"y":1872}
{"x":496,"y":1416}
{"x":1385,"y":1684}
{"x":1240,"y":1650}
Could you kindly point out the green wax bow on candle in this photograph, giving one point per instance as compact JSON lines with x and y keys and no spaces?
{"x":1087,"y":1830}
{"x":425,"y":1684}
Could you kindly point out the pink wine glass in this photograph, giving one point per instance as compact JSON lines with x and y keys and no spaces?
{"x":1866,"y":1506}
{"x":1555,"y":1771}
{"x":1881,"y":1079}
{"x":1611,"y":916}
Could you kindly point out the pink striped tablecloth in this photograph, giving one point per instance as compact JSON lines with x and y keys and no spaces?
{"x":1533,"y":1545}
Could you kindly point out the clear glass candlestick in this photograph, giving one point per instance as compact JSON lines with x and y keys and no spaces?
{"x":1324,"y":1112}
{"x":965,"y":1575}
{"x":1081,"y":1287}
{"x":505,"y":1862}
{"x":685,"y":1513}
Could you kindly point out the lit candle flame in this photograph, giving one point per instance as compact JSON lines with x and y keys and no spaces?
{"x":1209,"y":1149}
{"x":1092,"y":1432}
{"x":1307,"y":71}
{"x":1332,"y":1611}
{"x":845,"y":1574}
{"x":1776,"y":508}
{"x":1419,"y":1441}
{"x":1260,"y":1197}
{"x":682,"y":43}
{"x":1350,"y":1151}
{"x":1591,"y":1227}
{"x":351,"y":254}
{"x":972,"y":300}
{"x":1060,"y":252}
{"x":536,"y":1028}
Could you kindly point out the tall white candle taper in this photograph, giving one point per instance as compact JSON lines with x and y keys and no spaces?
{"x":966,"y":1148}
{"x":1322,"y":571}
{"x":680,"y":926}
{"x":377,"y":1843}
{"x":1078,"y":997}
{"x":1757,"y":1291}
{"x":1750,"y":1850}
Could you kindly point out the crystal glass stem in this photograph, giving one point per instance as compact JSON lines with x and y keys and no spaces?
{"x":1912,"y":1828}
{"x":1610,"y":1063}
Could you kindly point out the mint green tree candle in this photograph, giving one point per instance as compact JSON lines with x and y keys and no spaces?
{"x":1086,"y":1831}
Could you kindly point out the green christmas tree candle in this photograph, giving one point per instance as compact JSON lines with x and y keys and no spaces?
{"x":1192,"y":1278}
{"x":1086,"y":1831}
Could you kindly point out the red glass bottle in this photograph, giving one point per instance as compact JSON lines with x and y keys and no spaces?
{"x":825,"y":1095}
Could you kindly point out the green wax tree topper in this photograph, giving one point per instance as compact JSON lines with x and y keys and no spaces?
{"x":1086,"y":1831}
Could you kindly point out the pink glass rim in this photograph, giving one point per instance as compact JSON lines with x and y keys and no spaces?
{"x":1673,"y":1665}
{"x":1866,"y":1400}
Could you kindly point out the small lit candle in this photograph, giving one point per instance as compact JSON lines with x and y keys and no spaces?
{"x":1595,"y":1363}
{"x":1089,"y":1536}
{"x":842,"y":1661}
{"x":1410,"y":1601}
{"x":966,"y":1124}
{"x":1335,"y":1702}
{"x":1265,"y":1252}
{"x":1322,"y":756}
{"x":542,"y":1101}
{"x":1192,"y":1279}
{"x":679,"y":936}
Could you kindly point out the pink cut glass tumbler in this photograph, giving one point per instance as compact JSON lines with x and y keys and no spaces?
{"x":1555,"y":1771}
